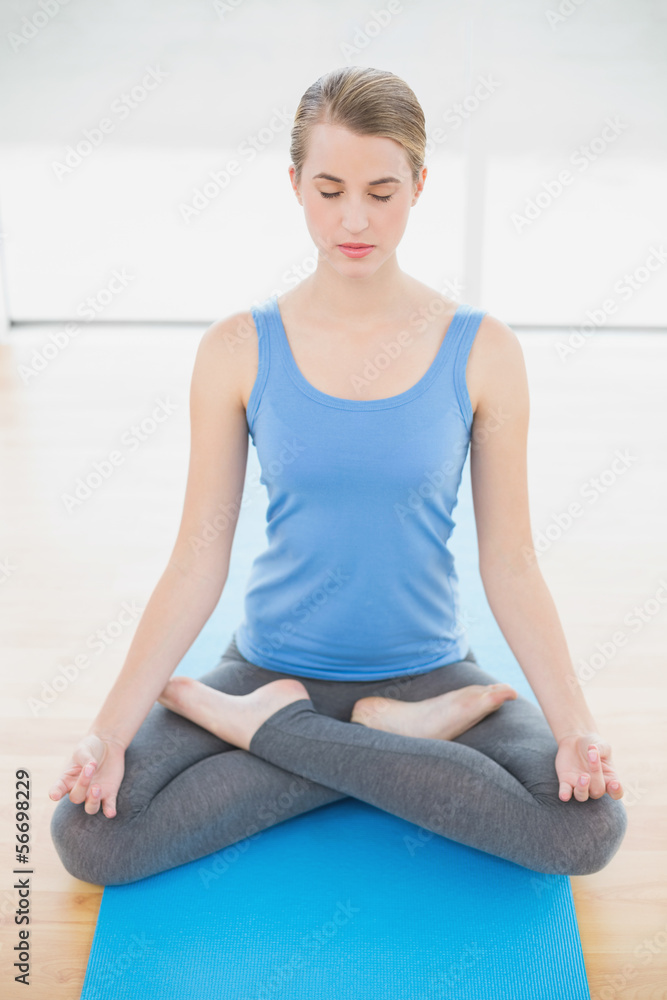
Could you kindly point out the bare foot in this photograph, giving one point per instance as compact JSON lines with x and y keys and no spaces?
{"x":441,"y":718}
{"x":234,"y":718}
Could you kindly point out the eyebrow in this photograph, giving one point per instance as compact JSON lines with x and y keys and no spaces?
{"x":339,"y":180}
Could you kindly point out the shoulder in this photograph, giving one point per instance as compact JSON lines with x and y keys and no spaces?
{"x":497,"y":338}
{"x":228,"y":352}
{"x":496,"y":364}
{"x":230,"y":333}
{"x":431,"y":301}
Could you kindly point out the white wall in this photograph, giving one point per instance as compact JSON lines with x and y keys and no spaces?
{"x":224,"y":69}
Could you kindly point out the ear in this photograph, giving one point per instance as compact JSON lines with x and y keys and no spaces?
{"x":419,"y":186}
{"x":292,"y":175}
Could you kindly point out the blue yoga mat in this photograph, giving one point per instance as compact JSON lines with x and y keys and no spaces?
{"x":346,"y":901}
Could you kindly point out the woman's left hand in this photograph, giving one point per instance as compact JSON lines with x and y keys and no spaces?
{"x":573,"y":764}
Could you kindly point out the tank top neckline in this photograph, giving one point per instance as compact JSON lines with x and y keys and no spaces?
{"x":417,"y":389}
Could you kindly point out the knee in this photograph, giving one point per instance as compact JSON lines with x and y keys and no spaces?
{"x":89,"y":846}
{"x":589,"y":836}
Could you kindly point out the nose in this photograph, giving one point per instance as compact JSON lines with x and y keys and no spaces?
{"x":354,"y":217}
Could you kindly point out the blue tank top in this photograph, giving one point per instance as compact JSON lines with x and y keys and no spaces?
{"x":357,"y":582}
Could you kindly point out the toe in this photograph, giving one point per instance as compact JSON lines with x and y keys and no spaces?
{"x":504,"y":691}
{"x":497,"y":692}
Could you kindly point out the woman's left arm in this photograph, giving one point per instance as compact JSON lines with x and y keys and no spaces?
{"x":513,"y":583}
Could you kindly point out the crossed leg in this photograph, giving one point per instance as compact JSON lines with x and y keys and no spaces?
{"x":493,"y":787}
{"x":185,"y":794}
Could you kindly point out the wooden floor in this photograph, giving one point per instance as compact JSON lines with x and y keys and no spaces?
{"x":67,"y":573}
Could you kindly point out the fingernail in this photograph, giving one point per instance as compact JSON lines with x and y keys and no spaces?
{"x":88,"y":770}
{"x":583,"y":779}
{"x":95,"y":790}
{"x":615,"y":785}
{"x":592,"y":756}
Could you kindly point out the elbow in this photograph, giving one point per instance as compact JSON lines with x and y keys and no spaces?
{"x":200,"y":574}
{"x":506,"y":565}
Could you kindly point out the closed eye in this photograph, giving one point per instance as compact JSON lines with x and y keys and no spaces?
{"x":335,"y":194}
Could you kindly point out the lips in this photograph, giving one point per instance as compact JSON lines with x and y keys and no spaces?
{"x":356,"y":246}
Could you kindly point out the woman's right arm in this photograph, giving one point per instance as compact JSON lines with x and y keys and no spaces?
{"x":192,"y":583}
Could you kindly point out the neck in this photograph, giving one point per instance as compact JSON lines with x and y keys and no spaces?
{"x":356,"y":302}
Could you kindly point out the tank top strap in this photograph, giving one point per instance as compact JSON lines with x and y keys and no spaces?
{"x":264,"y":318}
{"x":459,"y":337}
{"x":464,"y":327}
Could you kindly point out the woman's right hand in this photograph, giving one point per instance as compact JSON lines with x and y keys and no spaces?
{"x":93,"y":774}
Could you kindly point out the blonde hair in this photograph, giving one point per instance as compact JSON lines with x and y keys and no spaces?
{"x":366,"y":101}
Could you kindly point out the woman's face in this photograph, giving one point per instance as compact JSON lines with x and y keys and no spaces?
{"x":343,"y":201}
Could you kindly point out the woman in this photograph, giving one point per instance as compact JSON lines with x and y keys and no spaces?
{"x":350,"y":673}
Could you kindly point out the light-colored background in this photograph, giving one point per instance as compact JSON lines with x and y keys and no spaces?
{"x":69,"y":574}
{"x":556,"y":81}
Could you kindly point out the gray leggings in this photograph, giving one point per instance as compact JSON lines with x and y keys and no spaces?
{"x":186,"y":793}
